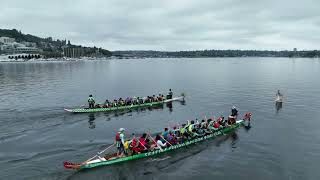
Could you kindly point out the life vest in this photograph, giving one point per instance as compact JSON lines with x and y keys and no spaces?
{"x":191,"y":127}
{"x":133,"y":143}
{"x":126,"y":145}
{"x":216,"y":125}
{"x":118,"y":136}
{"x":219,"y":119}
{"x":142,"y":143}
{"x":182,"y":130}
{"x":90,"y":100}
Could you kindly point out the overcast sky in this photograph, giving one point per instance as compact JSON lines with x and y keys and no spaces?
{"x":170,"y":24}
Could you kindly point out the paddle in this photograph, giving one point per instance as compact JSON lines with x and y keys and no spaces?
{"x":165,"y":140}
{"x":154,"y":141}
{"x":98,"y":153}
{"x":143,"y":145}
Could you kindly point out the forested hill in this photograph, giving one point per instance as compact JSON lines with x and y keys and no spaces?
{"x":50,"y":47}
{"x":20,"y":37}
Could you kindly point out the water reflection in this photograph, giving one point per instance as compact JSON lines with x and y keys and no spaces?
{"x":169,"y":105}
{"x":278,"y":106}
{"x":128,"y":112}
{"x":234,"y":140}
{"x":92,"y":124}
{"x":247,"y":125}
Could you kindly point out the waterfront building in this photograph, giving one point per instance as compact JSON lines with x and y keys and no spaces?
{"x":7,"y":40}
{"x":29,"y":50}
{"x":73,"y":52}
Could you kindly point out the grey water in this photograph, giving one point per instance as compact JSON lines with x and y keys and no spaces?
{"x":36,"y":135}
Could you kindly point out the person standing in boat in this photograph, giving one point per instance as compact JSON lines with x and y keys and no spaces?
{"x":279,"y":96}
{"x":170,"y":94}
{"x":120,"y":142}
{"x":234,"y":111}
{"x":278,"y":93}
{"x":91,"y":101}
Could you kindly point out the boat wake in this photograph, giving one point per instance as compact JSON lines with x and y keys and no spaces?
{"x":159,"y":159}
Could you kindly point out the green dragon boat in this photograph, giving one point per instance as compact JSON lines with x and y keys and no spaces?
{"x":104,"y":161}
{"x":119,"y":108}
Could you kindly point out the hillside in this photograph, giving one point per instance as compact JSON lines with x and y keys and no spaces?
{"x":50,"y":47}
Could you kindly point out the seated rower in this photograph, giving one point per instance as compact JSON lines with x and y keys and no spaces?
{"x":221,"y":120}
{"x":98,"y":106}
{"x":127,"y":101}
{"x":143,"y":143}
{"x":154,"y":98}
{"x":165,"y":134}
{"x":210,"y":125}
{"x":160,"y":144}
{"x":231,"y":120}
{"x":121,"y":102}
{"x":134,"y":145}
{"x":176,"y":132}
{"x":106,"y":104}
{"x":184,"y":135}
{"x":191,"y":126}
{"x":171,"y":138}
{"x":216,"y":125}
{"x":194,"y":134}
{"x":134,"y":99}
{"x":138,"y":100}
{"x":203,"y":124}
{"x":115,"y":103}
{"x":200,"y":131}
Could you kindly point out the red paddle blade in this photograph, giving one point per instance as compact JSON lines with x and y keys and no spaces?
{"x":69,"y":165}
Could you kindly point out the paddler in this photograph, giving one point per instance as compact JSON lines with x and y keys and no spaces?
{"x":120,"y":142}
{"x":183,"y":133}
{"x":134,"y":144}
{"x":91,"y":101}
{"x":190,"y":127}
{"x":160,"y":144}
{"x":143,"y":143}
{"x":216,"y":125}
{"x":234,"y":111}
{"x":170,"y":94}
{"x":165,"y":134}
{"x":278,"y":94}
{"x":221,"y":120}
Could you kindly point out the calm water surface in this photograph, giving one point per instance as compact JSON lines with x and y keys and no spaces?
{"x":36,"y":135}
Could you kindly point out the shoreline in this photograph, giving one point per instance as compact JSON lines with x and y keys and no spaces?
{"x":3,"y":60}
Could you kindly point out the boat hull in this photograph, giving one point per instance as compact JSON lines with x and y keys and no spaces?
{"x":157,"y":152}
{"x":153,"y":104}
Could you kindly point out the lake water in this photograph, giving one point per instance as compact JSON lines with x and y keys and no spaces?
{"x":36,"y":135}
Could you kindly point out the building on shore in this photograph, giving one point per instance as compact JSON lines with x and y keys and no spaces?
{"x":7,"y":40}
{"x":73,"y":52}
{"x":28,"y":50}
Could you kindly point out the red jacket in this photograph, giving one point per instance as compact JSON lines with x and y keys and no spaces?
{"x":216,"y":125}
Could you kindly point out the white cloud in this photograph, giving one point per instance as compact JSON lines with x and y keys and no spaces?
{"x":170,"y":25}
